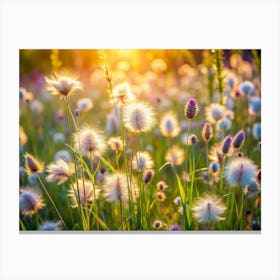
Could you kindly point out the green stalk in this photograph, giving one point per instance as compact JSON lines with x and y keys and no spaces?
{"x":51,"y":200}
{"x":219,"y":66}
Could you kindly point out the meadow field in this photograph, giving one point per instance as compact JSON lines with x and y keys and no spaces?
{"x":140,"y":140}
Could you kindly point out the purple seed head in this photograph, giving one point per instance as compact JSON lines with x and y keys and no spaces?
{"x":226,"y":144}
{"x":148,"y":176}
{"x":238,"y":139}
{"x":175,"y":228}
{"x":77,"y":113}
{"x":214,"y":167}
{"x":191,"y":109}
{"x":207,"y":132}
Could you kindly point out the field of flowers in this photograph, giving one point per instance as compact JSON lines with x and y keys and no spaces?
{"x":140,"y":140}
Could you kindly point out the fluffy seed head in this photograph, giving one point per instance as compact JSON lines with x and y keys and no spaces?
{"x":62,"y":83}
{"x":91,"y":142}
{"x":122,"y":94}
{"x":226,"y":144}
{"x":175,"y":228}
{"x":255,"y":106}
{"x":32,"y":165}
{"x":208,"y":209}
{"x":60,"y":171}
{"x":157,"y":224}
{"x":252,"y":189}
{"x":246,"y":87}
{"x":142,"y":161}
{"x":161,"y":185}
{"x":207,"y":132}
{"x":177,"y":201}
{"x":30,"y":201}
{"x":214,"y":112}
{"x":240,"y":171}
{"x":238,"y":139}
{"x":116,"y":187}
{"x":50,"y":226}
{"x":116,"y":144}
{"x":169,"y":125}
{"x":148,"y":176}
{"x":83,"y":191}
{"x":175,"y":155}
{"x":160,"y":196}
{"x":84,"y":104}
{"x":138,"y":117}
{"x":215,"y":153}
{"x":191,"y":140}
{"x":191,"y":109}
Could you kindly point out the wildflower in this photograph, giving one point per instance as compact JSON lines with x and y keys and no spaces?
{"x":208,"y":208}
{"x":246,"y":87}
{"x":84,"y":192}
{"x":157,"y":224}
{"x":50,"y":226}
{"x":116,"y":144}
{"x":169,"y":125}
{"x":36,"y":106}
{"x":256,"y":225}
{"x":60,"y":171}
{"x":161,"y":185}
{"x":22,"y":136}
{"x":255,"y":106}
{"x":84,"y":104}
{"x":251,"y":189}
{"x":238,"y":139}
{"x":32,"y":165}
{"x":207,"y":132}
{"x":240,"y":171}
{"x":28,"y":96}
{"x":112,"y":124}
{"x":214,"y":112}
{"x":142,"y":161}
{"x":160,"y":196}
{"x":175,"y":228}
{"x":175,"y":155}
{"x":177,"y":201}
{"x":138,"y":117}
{"x":191,"y":109}
{"x":148,"y":176}
{"x":91,"y":142}
{"x":216,"y":154}
{"x":214,"y":167}
{"x":77,"y":113}
{"x":226,"y":144}
{"x":101,"y":174}
{"x":63,"y":84}
{"x":122,"y":94}
{"x":116,"y":187}
{"x":256,"y":131}
{"x":30,"y":201}
{"x":191,"y":139}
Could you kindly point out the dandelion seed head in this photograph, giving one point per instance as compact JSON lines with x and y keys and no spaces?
{"x":32,"y":165}
{"x":240,"y":171}
{"x":84,"y":104}
{"x":30,"y":201}
{"x":122,"y":94}
{"x":62,"y":83}
{"x":208,"y":209}
{"x":169,"y":125}
{"x":142,"y":161}
{"x":214,"y":112}
{"x":138,"y":117}
{"x":84,"y":191}
{"x":91,"y":141}
{"x":116,"y":144}
{"x":175,"y":155}
{"x":59,"y":171}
